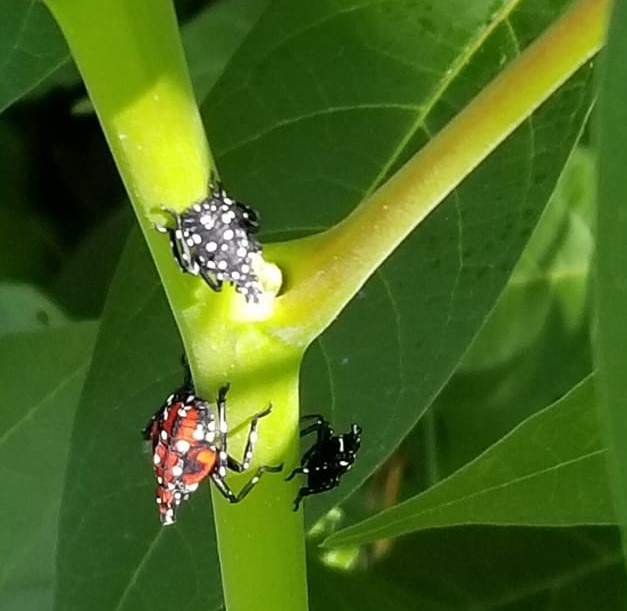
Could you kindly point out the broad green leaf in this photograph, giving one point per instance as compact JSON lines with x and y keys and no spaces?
{"x":26,"y":308}
{"x":516,"y":365}
{"x":549,"y":471}
{"x":31,"y":48}
{"x":510,"y":569}
{"x":34,"y":57}
{"x":611,"y":261}
{"x":42,"y":375}
{"x":552,"y":272}
{"x":211,"y":38}
{"x":113,"y":553}
{"x":317,"y":106}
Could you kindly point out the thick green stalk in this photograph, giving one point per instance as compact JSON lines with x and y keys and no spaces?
{"x":327,"y":270}
{"x":130,"y":56}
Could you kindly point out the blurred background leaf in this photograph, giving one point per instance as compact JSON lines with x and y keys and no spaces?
{"x":26,"y":308}
{"x":31,"y":48}
{"x":42,"y":375}
{"x":611,"y":262}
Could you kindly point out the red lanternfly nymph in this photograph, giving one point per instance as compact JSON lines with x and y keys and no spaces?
{"x":189,"y":443}
{"x":214,"y":239}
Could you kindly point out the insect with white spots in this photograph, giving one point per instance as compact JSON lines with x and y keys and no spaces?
{"x":189,"y":444}
{"x":214,"y":239}
{"x":327,"y":459}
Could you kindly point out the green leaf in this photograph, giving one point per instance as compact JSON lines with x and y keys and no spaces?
{"x":549,"y":471}
{"x":211,"y":38}
{"x":611,"y":260}
{"x":26,"y":308}
{"x":35,"y":58}
{"x":304,"y":126}
{"x":510,"y":569}
{"x":31,"y":48}
{"x":108,"y":503}
{"x":552,"y":272}
{"x":42,"y":375}
{"x":516,"y":364}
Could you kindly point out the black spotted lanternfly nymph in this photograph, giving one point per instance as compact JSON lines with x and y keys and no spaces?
{"x":214,"y":239}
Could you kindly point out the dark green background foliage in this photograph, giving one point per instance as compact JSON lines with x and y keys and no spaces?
{"x":459,"y":353}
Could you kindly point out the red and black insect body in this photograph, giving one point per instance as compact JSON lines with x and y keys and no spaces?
{"x":327,"y":459}
{"x":214,"y":239}
{"x":189,"y":444}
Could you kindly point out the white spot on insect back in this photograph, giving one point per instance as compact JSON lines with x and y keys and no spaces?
{"x":211,"y":246}
{"x":177,"y":471}
{"x":156,"y":459}
{"x":164,"y":435}
{"x":182,"y":446}
{"x":198,"y":433}
{"x":228,"y":235}
{"x":222,"y":264}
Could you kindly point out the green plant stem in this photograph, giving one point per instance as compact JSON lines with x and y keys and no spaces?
{"x":130,"y":56}
{"x":131,"y":59}
{"x":328,"y":269}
